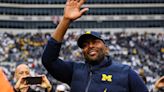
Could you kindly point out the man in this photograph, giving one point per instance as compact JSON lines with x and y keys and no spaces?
{"x":159,"y":85}
{"x":99,"y":73}
{"x":22,"y":71}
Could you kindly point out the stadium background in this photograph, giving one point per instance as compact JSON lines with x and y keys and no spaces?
{"x":133,"y":29}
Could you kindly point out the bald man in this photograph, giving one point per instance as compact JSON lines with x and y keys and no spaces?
{"x":22,"y":71}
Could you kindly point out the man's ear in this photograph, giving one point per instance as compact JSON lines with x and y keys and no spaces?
{"x":15,"y":75}
{"x":107,"y":50}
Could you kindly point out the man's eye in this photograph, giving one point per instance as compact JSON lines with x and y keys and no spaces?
{"x":96,"y":41}
{"x":27,"y":73}
{"x":84,"y":45}
{"x":21,"y":73}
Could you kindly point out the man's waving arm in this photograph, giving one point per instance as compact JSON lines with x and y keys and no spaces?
{"x":71,"y":12}
{"x":56,"y":67}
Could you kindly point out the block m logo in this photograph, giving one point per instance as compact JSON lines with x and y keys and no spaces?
{"x":106,"y":78}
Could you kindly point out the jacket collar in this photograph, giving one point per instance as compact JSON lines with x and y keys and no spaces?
{"x":106,"y":62}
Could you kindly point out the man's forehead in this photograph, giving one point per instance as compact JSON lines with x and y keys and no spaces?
{"x":22,"y":67}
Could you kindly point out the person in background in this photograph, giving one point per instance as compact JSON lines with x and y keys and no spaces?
{"x":159,"y":85}
{"x":22,"y":71}
{"x":4,"y":83}
{"x":99,"y":73}
{"x":142,"y":75}
{"x":62,"y":88}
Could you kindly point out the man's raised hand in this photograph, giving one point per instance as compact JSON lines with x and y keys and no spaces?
{"x":72,"y":9}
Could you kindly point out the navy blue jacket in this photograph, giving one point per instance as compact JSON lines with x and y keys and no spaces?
{"x":82,"y":77}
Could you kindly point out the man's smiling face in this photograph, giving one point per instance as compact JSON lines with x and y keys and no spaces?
{"x":94,"y":50}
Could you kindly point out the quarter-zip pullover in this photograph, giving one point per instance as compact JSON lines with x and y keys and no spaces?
{"x":83,"y":77}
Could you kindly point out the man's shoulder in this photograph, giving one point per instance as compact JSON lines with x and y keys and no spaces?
{"x":119,"y":66}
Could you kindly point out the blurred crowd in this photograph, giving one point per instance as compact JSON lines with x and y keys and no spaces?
{"x":144,"y":52}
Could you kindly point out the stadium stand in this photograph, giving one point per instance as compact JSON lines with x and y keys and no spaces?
{"x":87,"y":2}
{"x":92,"y":11}
{"x":139,"y":50}
{"x":16,"y":8}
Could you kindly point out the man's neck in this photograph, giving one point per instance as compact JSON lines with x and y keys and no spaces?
{"x":98,"y":62}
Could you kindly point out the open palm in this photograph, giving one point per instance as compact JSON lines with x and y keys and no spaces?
{"x":72,"y":9}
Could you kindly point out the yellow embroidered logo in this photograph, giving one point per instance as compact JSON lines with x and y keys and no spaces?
{"x":88,"y":32}
{"x":106,"y":78}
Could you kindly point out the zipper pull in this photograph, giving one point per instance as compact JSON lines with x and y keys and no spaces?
{"x":105,"y":90}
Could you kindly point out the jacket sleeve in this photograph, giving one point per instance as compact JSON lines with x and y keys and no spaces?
{"x":59,"y":69}
{"x":135,"y":82}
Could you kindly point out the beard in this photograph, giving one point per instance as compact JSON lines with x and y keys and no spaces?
{"x":94,"y":60}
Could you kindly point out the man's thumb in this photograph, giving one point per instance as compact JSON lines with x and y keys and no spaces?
{"x":84,"y":10}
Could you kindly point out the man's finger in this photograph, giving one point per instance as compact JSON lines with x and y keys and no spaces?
{"x":81,"y":2}
{"x":68,"y":1}
{"x":24,"y":86}
{"x":84,"y":10}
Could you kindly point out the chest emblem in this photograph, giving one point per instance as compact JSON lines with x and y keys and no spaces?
{"x":106,"y":77}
